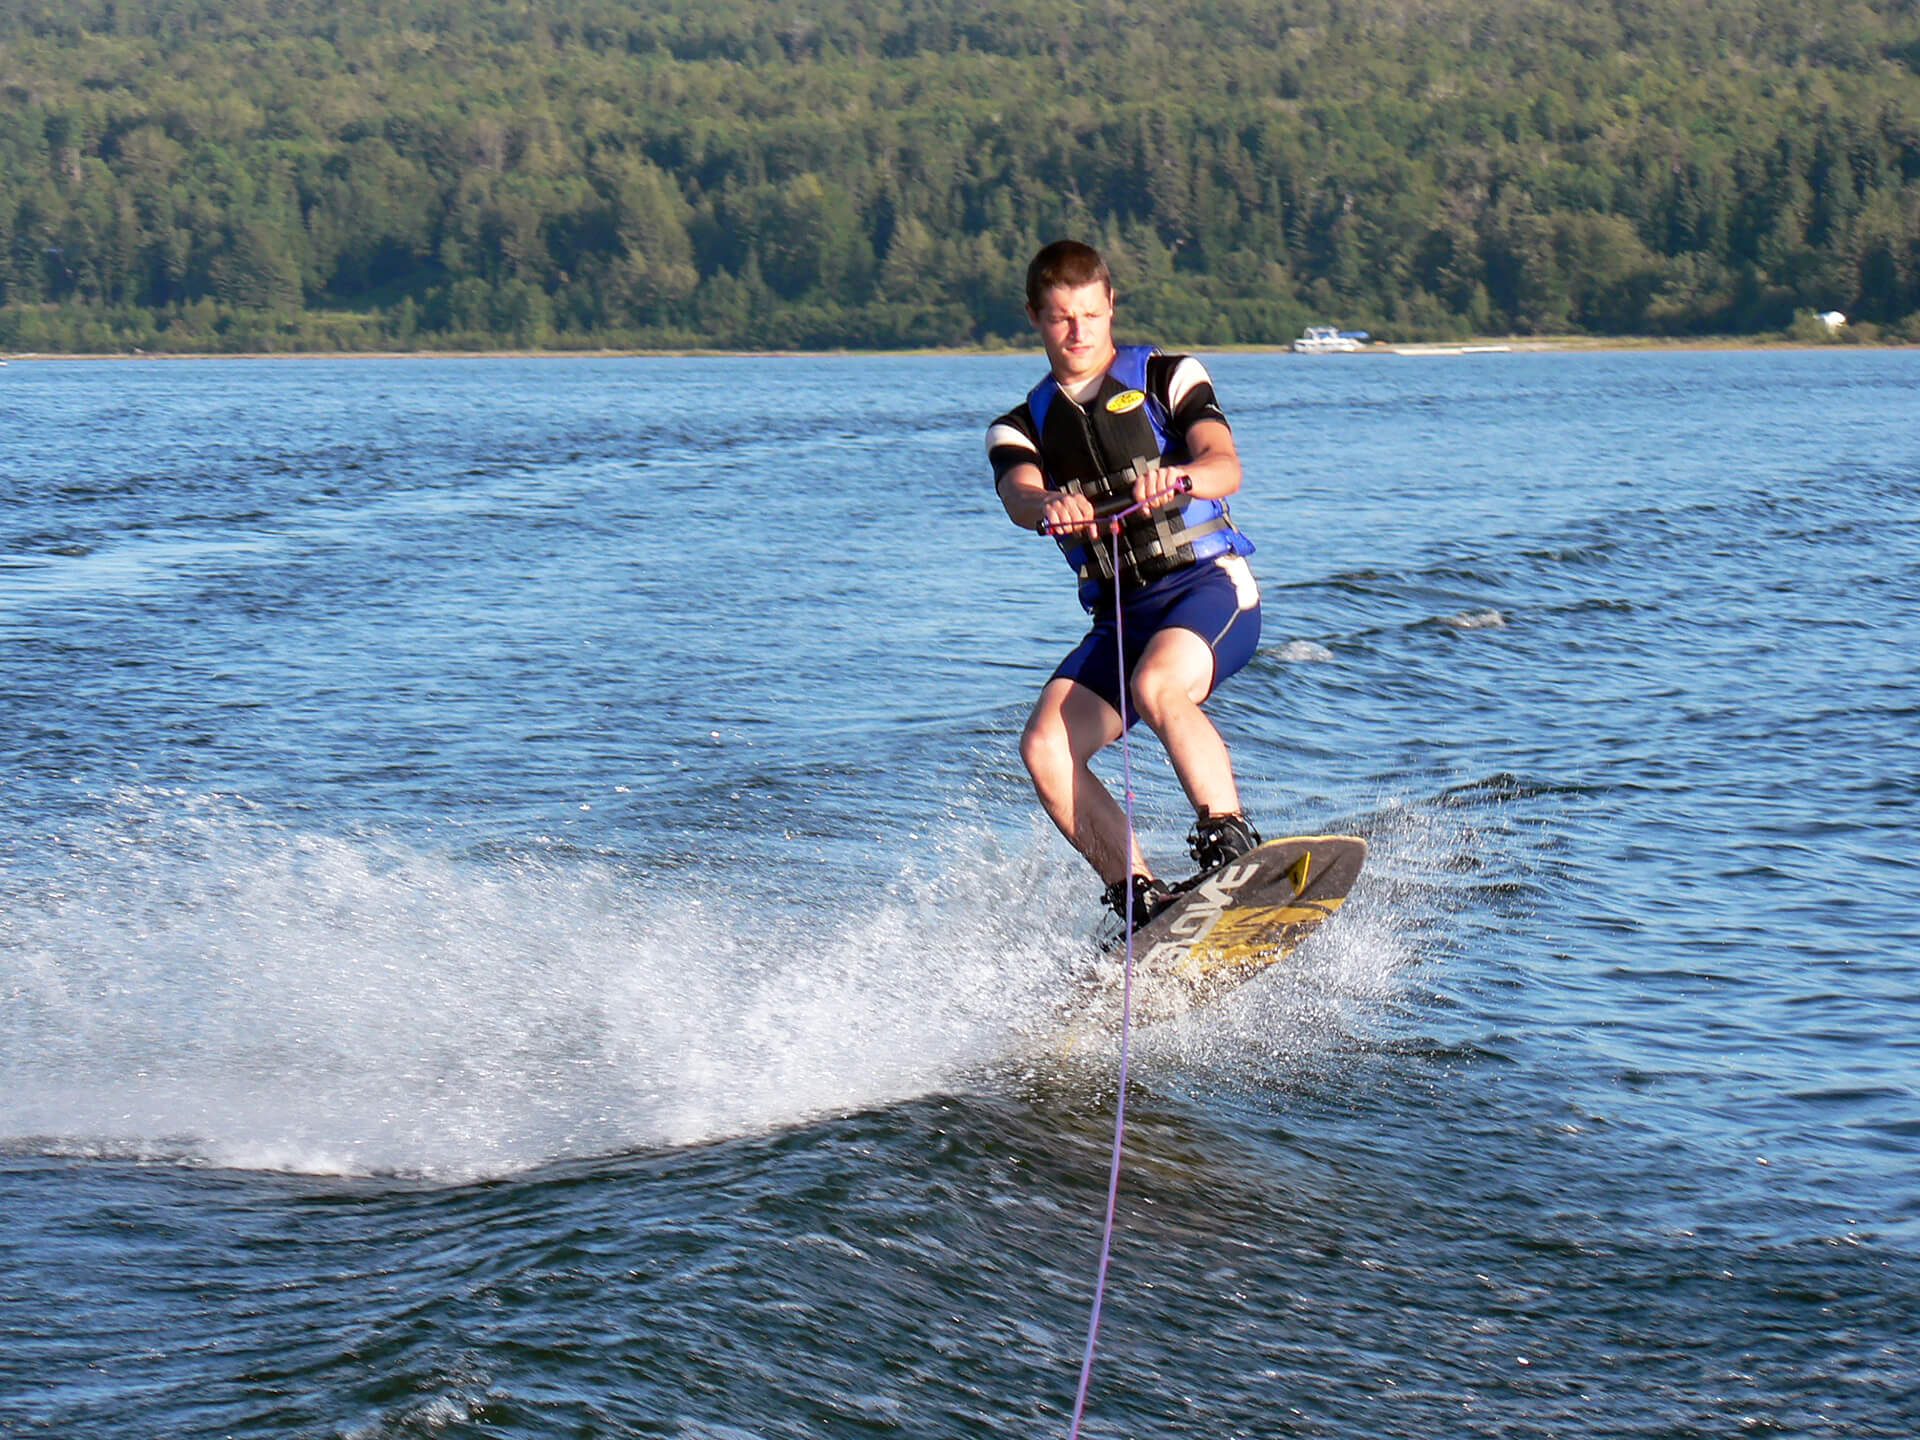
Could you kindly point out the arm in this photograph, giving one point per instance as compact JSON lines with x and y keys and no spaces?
{"x":1023,"y":491}
{"x":1213,"y":472}
{"x":1013,"y":451}
{"x":1182,"y":384}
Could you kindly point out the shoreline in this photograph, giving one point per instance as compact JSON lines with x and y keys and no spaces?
{"x":1479,"y":344}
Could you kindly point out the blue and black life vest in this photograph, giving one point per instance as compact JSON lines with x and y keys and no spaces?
{"x":1098,"y":450}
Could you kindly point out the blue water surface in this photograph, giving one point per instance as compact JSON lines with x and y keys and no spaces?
{"x":520,"y":914}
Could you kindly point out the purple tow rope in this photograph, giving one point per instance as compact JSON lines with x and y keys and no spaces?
{"x":1126,"y":1010}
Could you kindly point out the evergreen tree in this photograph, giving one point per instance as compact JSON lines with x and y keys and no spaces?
{"x":202,"y":175}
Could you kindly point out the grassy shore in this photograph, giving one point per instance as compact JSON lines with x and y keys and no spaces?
{"x":1518,"y":344}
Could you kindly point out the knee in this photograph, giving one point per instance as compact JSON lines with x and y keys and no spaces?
{"x":1158,"y":697}
{"x":1044,"y":749}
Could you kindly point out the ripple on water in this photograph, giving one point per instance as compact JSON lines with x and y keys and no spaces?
{"x":509,"y":929}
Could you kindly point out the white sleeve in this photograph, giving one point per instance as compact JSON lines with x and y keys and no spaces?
{"x":1187,"y":374}
{"x":1011,"y":435}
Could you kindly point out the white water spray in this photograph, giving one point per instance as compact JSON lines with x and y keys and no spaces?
{"x":215,"y":988}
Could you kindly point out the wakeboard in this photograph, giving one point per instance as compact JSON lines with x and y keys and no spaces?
{"x":1227,"y":926}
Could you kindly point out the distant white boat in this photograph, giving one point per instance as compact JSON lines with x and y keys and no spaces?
{"x":1326,"y":340}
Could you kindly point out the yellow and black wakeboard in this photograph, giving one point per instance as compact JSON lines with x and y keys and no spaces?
{"x":1234,"y":922}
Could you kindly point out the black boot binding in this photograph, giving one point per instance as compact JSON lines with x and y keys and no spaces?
{"x":1216,"y":839}
{"x":1147,"y":896}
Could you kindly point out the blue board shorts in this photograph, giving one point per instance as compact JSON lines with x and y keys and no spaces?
{"x":1215,"y":599}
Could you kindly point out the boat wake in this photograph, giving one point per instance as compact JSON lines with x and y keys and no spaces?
{"x":218,"y":989}
{"x":212,"y":988}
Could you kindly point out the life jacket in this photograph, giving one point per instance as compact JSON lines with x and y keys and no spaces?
{"x":1098,"y":450}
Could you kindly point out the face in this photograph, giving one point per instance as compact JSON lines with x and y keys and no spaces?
{"x":1076,"y":325}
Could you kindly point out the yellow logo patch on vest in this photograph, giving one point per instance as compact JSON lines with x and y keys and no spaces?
{"x":1126,"y":400}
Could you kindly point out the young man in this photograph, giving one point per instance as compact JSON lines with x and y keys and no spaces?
{"x":1106,"y":428}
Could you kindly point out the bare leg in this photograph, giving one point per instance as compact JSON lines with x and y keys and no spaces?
{"x":1069,"y":726}
{"x":1173,"y":677}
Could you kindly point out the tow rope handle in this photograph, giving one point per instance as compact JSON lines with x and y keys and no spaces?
{"x":1114,"y":511}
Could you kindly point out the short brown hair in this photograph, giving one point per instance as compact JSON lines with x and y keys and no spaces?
{"x":1065,"y":262}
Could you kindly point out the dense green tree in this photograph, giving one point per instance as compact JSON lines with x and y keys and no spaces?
{"x":358,"y":173}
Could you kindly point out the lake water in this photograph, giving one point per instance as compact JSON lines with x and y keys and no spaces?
{"x":520,"y":914}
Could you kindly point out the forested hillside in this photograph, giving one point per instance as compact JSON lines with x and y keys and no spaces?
{"x":261,"y":174}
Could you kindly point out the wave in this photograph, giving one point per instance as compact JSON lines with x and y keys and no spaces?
{"x":198,"y":984}
{"x":220,"y":989}
{"x":1302,"y":652}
